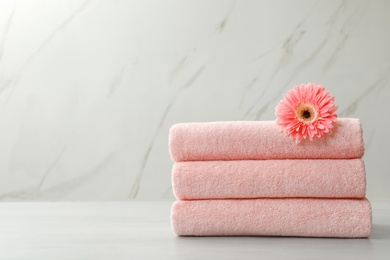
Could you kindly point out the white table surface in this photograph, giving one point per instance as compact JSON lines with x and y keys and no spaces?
{"x":141,"y":230}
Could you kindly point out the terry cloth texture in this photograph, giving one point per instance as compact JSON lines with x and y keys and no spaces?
{"x":260,"y":140}
{"x":349,"y":218}
{"x":269,"y":178}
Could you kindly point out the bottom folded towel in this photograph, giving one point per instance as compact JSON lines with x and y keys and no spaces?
{"x":273,"y":217}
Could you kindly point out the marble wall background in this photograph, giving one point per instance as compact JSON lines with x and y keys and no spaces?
{"x":89,"y":89}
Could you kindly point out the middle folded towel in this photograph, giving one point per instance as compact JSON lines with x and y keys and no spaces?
{"x":269,"y":179}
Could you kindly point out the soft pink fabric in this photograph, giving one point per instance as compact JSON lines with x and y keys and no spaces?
{"x":259,"y":140}
{"x":269,"y":178}
{"x":272,"y":217}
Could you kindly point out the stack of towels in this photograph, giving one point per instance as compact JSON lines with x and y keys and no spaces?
{"x":248,"y":179}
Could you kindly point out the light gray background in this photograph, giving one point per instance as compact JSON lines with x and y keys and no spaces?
{"x":89,"y":89}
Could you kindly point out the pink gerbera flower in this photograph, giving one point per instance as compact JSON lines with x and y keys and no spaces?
{"x":306,"y":110}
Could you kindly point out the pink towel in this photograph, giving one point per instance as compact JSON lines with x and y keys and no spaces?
{"x":273,"y":217}
{"x":259,"y":140}
{"x":269,"y":178}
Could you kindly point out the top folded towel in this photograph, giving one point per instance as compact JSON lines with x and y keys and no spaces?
{"x":260,"y":140}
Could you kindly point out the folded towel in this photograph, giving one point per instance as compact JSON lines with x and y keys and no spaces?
{"x":269,"y":178}
{"x":272,"y":217}
{"x":259,"y":140}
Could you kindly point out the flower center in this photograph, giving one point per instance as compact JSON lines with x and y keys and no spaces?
{"x":306,"y":113}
